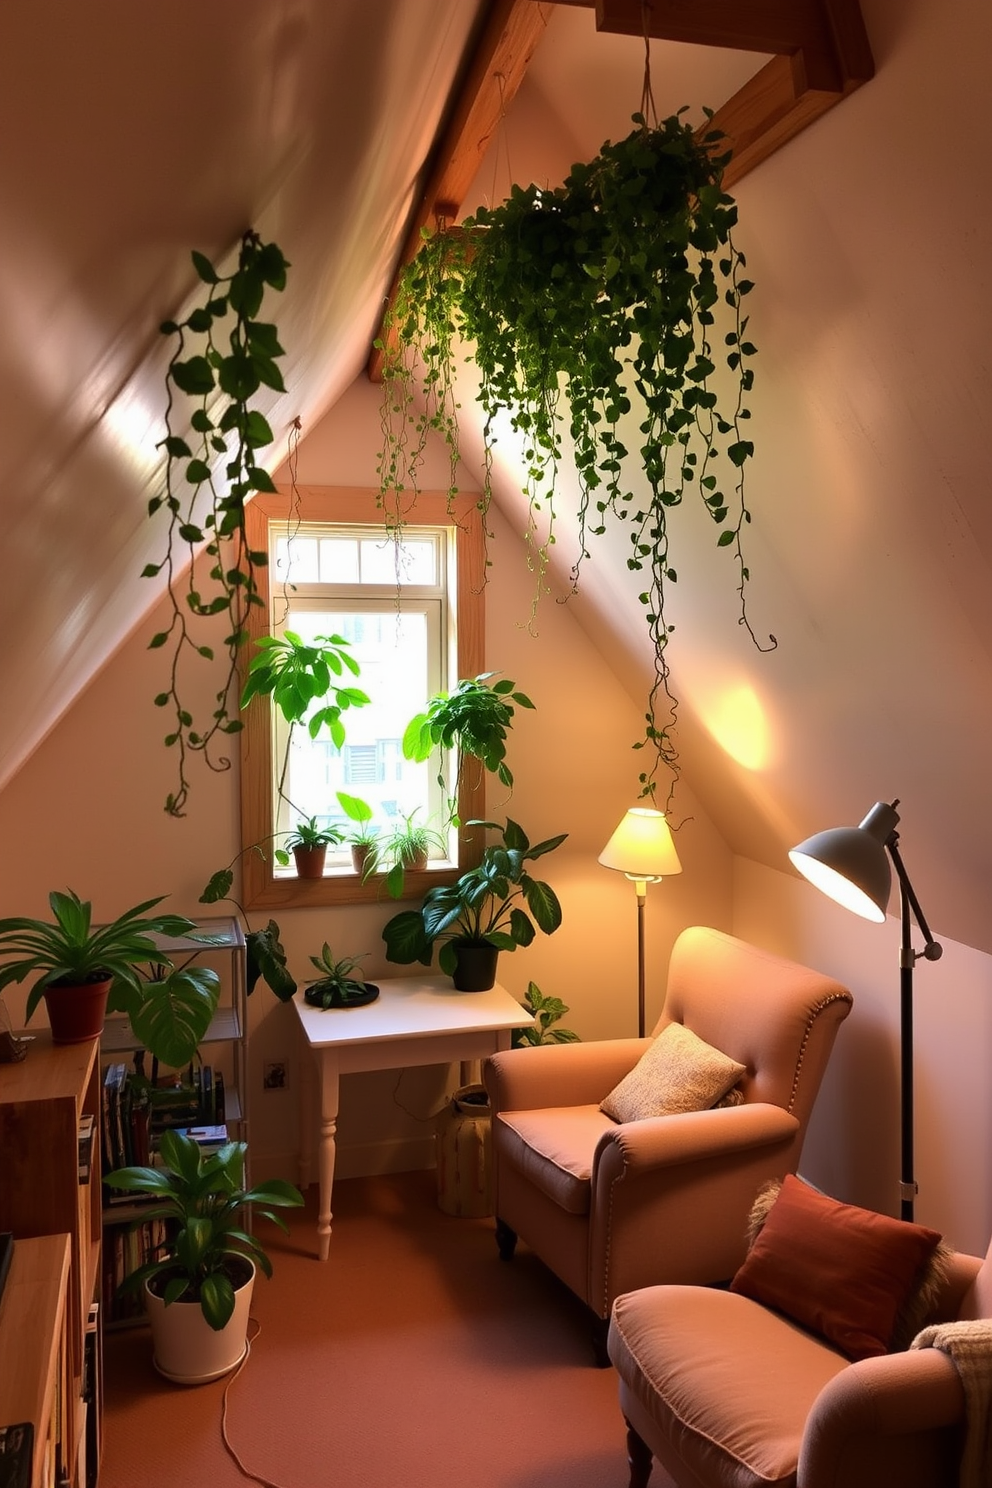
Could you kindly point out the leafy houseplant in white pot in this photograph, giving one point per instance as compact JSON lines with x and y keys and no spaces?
{"x":198,"y":1290}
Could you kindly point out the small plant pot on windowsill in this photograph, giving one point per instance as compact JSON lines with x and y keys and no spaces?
{"x":76,"y":1013}
{"x":186,"y":1349}
{"x":475,"y":965}
{"x":310,"y":861}
{"x":364,"y":858}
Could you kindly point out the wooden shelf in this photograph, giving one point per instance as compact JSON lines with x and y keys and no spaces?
{"x":42,"y":1102}
{"x":33,"y":1332}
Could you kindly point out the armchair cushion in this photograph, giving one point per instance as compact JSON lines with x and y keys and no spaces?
{"x":678,"y":1072}
{"x":554,"y":1149}
{"x":842,"y":1272}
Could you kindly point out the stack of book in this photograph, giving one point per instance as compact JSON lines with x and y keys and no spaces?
{"x":137,"y":1110}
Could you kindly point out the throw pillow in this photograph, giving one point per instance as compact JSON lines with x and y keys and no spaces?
{"x":924,"y":1296}
{"x":678,"y":1072}
{"x":842,"y":1272}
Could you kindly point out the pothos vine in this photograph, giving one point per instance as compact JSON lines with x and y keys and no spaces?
{"x":224,"y":353}
{"x":585,"y":307}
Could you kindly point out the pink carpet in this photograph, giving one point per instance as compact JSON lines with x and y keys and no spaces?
{"x":412,"y":1358}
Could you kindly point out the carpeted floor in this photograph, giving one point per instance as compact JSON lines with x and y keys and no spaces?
{"x":412,"y":1358}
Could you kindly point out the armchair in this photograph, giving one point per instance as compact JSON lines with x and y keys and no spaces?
{"x":726,"y":1393}
{"x":613,"y":1206}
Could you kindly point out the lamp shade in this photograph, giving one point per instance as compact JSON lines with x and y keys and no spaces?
{"x":850,"y":864}
{"x":642,"y":846}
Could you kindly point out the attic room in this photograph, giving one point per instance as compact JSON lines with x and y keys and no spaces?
{"x":137,"y":135}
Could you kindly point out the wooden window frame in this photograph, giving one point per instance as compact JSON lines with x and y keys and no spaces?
{"x":261,"y":888}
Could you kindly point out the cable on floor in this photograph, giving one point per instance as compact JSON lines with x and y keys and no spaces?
{"x":245,"y":1472}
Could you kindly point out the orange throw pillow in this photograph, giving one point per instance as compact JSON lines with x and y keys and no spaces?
{"x":837,"y":1270}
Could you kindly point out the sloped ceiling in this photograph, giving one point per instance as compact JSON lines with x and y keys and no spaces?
{"x":133,"y":133}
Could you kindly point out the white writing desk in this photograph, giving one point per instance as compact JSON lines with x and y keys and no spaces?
{"x":415,"y":1020}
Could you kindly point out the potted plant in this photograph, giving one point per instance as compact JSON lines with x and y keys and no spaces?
{"x":198,"y":1289}
{"x":488,"y":909}
{"x":363,"y":838}
{"x":84,"y":970}
{"x":308,"y":843}
{"x":409,"y":845}
{"x":337,"y":986}
{"x":473,"y":720}
{"x":546,"y":1011}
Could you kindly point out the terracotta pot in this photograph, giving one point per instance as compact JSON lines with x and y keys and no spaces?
{"x":77,"y":1013}
{"x":187,"y":1350}
{"x":363,"y":858}
{"x":310,"y":861}
{"x":475,"y":965}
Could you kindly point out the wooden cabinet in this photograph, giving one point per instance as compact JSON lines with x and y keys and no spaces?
{"x":34,"y":1350}
{"x":51,"y":1187}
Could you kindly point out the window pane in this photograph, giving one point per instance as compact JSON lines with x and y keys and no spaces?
{"x":408,"y":562}
{"x":296,"y":560}
{"x":338,"y":560}
{"x":392,"y":650}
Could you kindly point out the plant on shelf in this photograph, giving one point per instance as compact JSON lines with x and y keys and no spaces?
{"x":546,"y":1011}
{"x":337,"y":986}
{"x":224,"y":355}
{"x":494,"y":906}
{"x":409,"y":846}
{"x":362,"y":838}
{"x":265,"y":956}
{"x":472,"y":720}
{"x":206,"y":1208}
{"x":609,"y":299}
{"x":119,"y":966}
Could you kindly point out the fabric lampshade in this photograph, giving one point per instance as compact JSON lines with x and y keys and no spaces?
{"x":642,"y":846}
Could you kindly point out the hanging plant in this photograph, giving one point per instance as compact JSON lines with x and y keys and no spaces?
{"x":224,"y":354}
{"x":578,"y":305}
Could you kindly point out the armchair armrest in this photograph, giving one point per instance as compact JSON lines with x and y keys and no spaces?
{"x":667,"y":1141}
{"x":558,"y":1074}
{"x":896,"y":1395}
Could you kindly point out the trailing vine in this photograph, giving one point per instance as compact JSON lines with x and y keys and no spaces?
{"x":585,"y":307}
{"x":223,"y":355}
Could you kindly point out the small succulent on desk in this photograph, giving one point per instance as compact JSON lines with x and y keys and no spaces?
{"x":546,"y":1011}
{"x":336,"y":987}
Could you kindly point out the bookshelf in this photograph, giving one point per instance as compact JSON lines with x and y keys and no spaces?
{"x":49,"y":1194}
{"x":33,"y":1426}
{"x":223,"y":1050}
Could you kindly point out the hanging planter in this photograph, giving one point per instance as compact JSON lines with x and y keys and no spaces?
{"x":620,"y":290}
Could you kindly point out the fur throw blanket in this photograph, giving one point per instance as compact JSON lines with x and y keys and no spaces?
{"x":969,"y":1346}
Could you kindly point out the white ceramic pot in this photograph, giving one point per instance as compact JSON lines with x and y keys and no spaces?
{"x":187,"y":1350}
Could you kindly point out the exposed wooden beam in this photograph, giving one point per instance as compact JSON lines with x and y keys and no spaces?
{"x":500,"y":59}
{"x":820,"y":54}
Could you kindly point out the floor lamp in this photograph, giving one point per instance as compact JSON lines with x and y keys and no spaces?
{"x":643,"y":850}
{"x":850,"y":865}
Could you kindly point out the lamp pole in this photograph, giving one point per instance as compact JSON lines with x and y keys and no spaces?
{"x":932,"y":951}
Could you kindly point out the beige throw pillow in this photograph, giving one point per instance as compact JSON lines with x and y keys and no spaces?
{"x":679,"y":1072}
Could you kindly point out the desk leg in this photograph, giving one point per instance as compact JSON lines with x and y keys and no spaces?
{"x":329,"y":1096}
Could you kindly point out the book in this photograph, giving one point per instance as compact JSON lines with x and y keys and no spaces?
{"x":16,"y":1451}
{"x":86,"y":1134}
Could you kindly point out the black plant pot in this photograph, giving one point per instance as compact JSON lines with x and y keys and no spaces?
{"x":475,"y":965}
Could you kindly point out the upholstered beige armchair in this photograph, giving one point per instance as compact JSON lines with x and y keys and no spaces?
{"x":726,"y":1392}
{"x":611,"y":1205}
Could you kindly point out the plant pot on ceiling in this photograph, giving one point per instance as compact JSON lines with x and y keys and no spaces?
{"x":76,"y":1010}
{"x":475,"y":965}
{"x":187,"y":1350}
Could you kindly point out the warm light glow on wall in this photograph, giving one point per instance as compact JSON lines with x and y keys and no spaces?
{"x":737,"y":722}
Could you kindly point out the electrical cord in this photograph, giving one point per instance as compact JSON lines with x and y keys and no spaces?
{"x":245,"y":1472}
